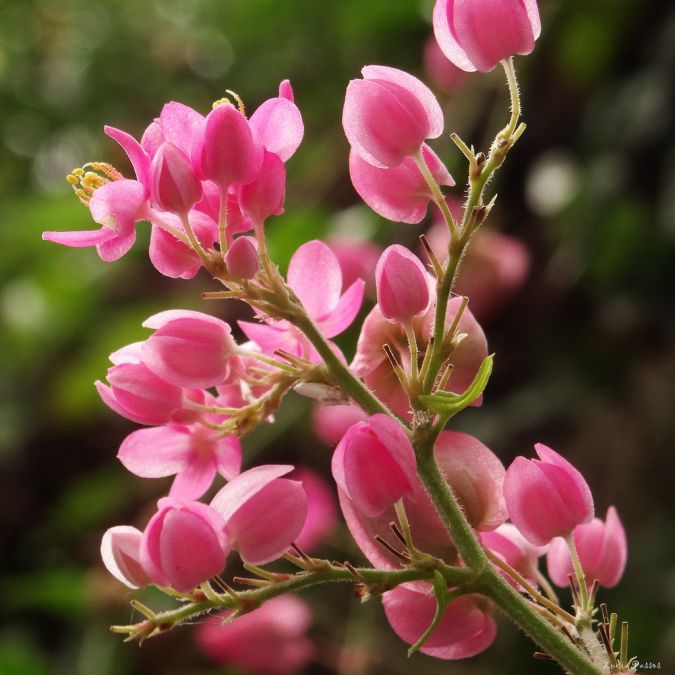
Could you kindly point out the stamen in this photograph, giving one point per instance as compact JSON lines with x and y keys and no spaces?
{"x":85,"y":180}
{"x":226,"y":101}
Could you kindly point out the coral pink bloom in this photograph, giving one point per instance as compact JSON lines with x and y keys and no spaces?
{"x":476,"y":476}
{"x":602,"y":551}
{"x":399,"y":193}
{"x":370,"y":361}
{"x":507,"y":542}
{"x":374,"y":464}
{"x":388,"y":115}
{"x":188,"y":349}
{"x":330,"y":422}
{"x":402,"y":285}
{"x":138,"y":394}
{"x":184,"y":544}
{"x":229,"y":154}
{"x":315,"y":276}
{"x":321,"y":510}
{"x":264,"y":196}
{"x":120,"y":551}
{"x":264,"y":513}
{"x":270,"y":640}
{"x":117,"y":206}
{"x":194,"y":454}
{"x":170,"y":256}
{"x":277,"y":124}
{"x":175,"y":188}
{"x":493,"y":270}
{"x":466,"y":629}
{"x":242,"y":258}
{"x":546,"y":497}
{"x":478,"y":34}
{"x":445,"y":74}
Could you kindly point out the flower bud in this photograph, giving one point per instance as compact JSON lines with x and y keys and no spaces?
{"x":374,"y":464}
{"x":175,"y":187}
{"x":546,"y":497}
{"x":465,"y":630}
{"x":188,"y":349}
{"x":242,"y":258}
{"x":402,"y":285}
{"x":120,"y":551}
{"x":602,"y":550}
{"x":263,"y":512}
{"x":184,"y":544}
{"x":388,"y":115}
{"x":478,"y":34}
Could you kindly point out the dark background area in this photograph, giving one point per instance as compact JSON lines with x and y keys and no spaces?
{"x":585,"y":352}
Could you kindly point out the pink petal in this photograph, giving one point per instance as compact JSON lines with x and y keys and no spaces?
{"x":195,"y":478}
{"x":269,"y":338}
{"x":152,"y":138}
{"x":279,"y":127}
{"x":264,"y":196}
{"x":80,"y":238}
{"x":137,"y":156}
{"x":228,"y":457}
{"x":410,"y":83}
{"x":446,"y":38}
{"x":181,"y":125}
{"x":286,"y":90}
{"x":119,"y":205}
{"x":314,"y":274}
{"x":156,"y":452}
{"x":114,"y":249}
{"x":120,"y":551}
{"x":344,"y":313}
{"x":160,"y":319}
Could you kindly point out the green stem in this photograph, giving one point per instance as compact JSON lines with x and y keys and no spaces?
{"x":340,"y":372}
{"x":435,"y":188}
{"x":579,"y":573}
{"x":515,"y":97}
{"x":222,"y":222}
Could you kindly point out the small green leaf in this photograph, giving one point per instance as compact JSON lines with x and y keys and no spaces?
{"x":449,"y":404}
{"x":442,"y":599}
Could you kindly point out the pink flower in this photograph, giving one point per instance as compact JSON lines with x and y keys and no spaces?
{"x":120,"y":551}
{"x":397,"y":193}
{"x":194,"y":454}
{"x":320,"y":293}
{"x":478,"y":34}
{"x":466,"y":629}
{"x":374,"y":464}
{"x":493,"y":270}
{"x":330,"y":422}
{"x":388,"y":115}
{"x":445,"y":74}
{"x":321,"y":510}
{"x":242,"y":258}
{"x":602,"y":551}
{"x":175,"y":187}
{"x":137,"y":393}
{"x":269,"y":640}
{"x":476,"y":476}
{"x":277,"y":124}
{"x":117,"y":206}
{"x":184,"y":544}
{"x":402,"y":285}
{"x":547,"y":497}
{"x":370,"y":361}
{"x":188,"y":349}
{"x":507,"y":542}
{"x":263,"y":512}
{"x":229,"y":154}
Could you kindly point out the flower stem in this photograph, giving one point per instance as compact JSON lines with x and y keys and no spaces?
{"x":579,"y":573}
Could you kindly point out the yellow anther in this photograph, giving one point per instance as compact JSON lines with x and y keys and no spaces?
{"x":78,"y":172}
{"x":88,"y":178}
{"x":72,"y":180}
{"x":226,"y":101}
{"x":221,"y":101}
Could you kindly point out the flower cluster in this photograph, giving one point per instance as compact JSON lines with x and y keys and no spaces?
{"x":449,"y":530}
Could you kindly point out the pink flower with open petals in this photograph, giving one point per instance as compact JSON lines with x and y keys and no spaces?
{"x":188,"y":349}
{"x":194,"y":454}
{"x":397,"y":193}
{"x":184,"y":544}
{"x":315,"y":276}
{"x":478,"y":34}
{"x":370,"y":361}
{"x":389,"y":114}
{"x":602,"y":550}
{"x":269,"y":640}
{"x":117,"y":206}
{"x":466,"y":629}
{"x":546,"y":497}
{"x":263,"y":512}
{"x":120,"y":552}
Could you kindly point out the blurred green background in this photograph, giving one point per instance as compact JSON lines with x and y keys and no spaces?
{"x":585,"y":352}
